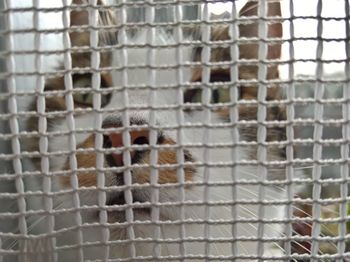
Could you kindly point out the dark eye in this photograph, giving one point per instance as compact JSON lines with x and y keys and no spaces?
{"x":84,"y":97}
{"x":219,"y":94}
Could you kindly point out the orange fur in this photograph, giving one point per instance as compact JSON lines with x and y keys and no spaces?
{"x":166,"y":174}
{"x":84,"y":160}
{"x":165,"y":157}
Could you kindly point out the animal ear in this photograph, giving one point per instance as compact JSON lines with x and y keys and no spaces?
{"x":80,"y":17}
{"x":80,"y":32}
{"x":251,"y":30}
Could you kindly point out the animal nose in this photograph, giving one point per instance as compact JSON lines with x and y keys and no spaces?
{"x":115,"y":140}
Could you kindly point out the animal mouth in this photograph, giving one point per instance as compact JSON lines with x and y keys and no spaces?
{"x":116,"y":159}
{"x":118,"y":200}
{"x":141,"y":197}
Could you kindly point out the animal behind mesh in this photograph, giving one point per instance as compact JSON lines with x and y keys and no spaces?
{"x":174,"y":130}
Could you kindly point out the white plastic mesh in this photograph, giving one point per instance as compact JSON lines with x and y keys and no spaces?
{"x":154,"y":131}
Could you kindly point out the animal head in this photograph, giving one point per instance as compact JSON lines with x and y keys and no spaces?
{"x":147,"y":126}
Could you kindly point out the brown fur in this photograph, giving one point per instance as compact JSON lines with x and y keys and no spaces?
{"x":250,"y":72}
{"x":84,"y":160}
{"x":247,"y":51}
{"x":81,"y":37}
{"x":79,"y":60}
{"x":166,"y":158}
{"x":167,"y":174}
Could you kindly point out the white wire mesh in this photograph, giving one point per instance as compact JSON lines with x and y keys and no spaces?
{"x":160,"y":131}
